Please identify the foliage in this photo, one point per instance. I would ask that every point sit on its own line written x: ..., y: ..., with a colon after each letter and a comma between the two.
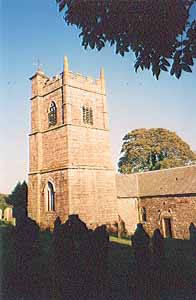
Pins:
x: 3, y: 203
x: 160, y: 33
x: 153, y: 149
x: 18, y: 197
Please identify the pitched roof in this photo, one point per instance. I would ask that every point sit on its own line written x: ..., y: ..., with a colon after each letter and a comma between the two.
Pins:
x: 174, y: 181
x: 168, y: 182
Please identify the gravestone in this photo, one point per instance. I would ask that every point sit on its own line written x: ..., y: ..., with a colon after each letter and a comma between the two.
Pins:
x: 8, y: 214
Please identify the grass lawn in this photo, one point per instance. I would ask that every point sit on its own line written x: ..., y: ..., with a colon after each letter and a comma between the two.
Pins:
x: 120, y: 240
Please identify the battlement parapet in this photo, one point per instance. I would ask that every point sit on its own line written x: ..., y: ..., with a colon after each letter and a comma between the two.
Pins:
x: 52, y: 84
x: 42, y: 84
x: 83, y: 82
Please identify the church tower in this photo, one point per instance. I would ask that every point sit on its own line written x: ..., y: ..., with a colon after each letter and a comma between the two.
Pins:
x: 71, y: 170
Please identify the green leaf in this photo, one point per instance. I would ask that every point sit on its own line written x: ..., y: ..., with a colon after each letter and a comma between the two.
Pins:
x: 158, y: 30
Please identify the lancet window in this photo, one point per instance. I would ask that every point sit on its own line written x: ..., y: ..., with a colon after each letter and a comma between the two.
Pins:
x: 50, y: 197
x: 52, y: 115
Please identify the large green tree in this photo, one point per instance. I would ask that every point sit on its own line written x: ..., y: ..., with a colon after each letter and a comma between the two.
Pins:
x: 18, y: 198
x: 161, y: 33
x: 153, y: 149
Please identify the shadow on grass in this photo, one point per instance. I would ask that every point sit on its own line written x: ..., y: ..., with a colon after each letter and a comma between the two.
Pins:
x: 69, y: 266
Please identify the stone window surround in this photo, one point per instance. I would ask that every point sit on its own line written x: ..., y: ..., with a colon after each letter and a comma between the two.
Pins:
x: 49, y: 197
x: 52, y: 114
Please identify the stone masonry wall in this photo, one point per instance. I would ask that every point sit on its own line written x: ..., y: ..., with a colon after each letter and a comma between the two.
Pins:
x: 180, y: 209
x: 32, y: 196
x: 92, y: 195
x: 59, y: 180
x: 128, y: 211
x: 89, y: 147
x: 54, y: 149
x: 74, y: 156
x: 169, y: 194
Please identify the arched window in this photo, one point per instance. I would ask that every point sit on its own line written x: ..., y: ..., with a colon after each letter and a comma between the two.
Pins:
x: 52, y: 115
x: 50, y: 197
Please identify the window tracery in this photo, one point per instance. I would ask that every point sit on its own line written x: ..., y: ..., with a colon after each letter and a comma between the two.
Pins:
x: 52, y: 115
x: 84, y: 114
x: 87, y: 115
x: 91, y: 116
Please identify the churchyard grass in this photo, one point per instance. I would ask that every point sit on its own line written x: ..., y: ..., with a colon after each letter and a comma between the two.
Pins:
x: 120, y: 267
x: 122, y: 241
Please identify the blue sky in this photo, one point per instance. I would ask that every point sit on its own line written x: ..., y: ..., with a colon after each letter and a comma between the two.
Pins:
x: 34, y: 29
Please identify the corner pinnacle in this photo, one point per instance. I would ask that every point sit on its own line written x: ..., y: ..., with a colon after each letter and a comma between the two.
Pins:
x: 65, y: 64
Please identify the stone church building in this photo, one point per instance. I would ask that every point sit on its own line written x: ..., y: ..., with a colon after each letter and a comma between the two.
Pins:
x: 71, y: 169
x: 164, y: 199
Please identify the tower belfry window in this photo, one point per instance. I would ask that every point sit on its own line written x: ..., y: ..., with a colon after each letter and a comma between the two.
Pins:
x: 91, y: 116
x: 52, y: 115
x: 84, y: 114
x: 87, y: 115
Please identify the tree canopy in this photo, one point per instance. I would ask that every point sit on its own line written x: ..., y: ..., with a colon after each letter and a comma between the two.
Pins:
x: 153, y: 149
x: 161, y: 33
x: 3, y: 203
x: 18, y: 198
